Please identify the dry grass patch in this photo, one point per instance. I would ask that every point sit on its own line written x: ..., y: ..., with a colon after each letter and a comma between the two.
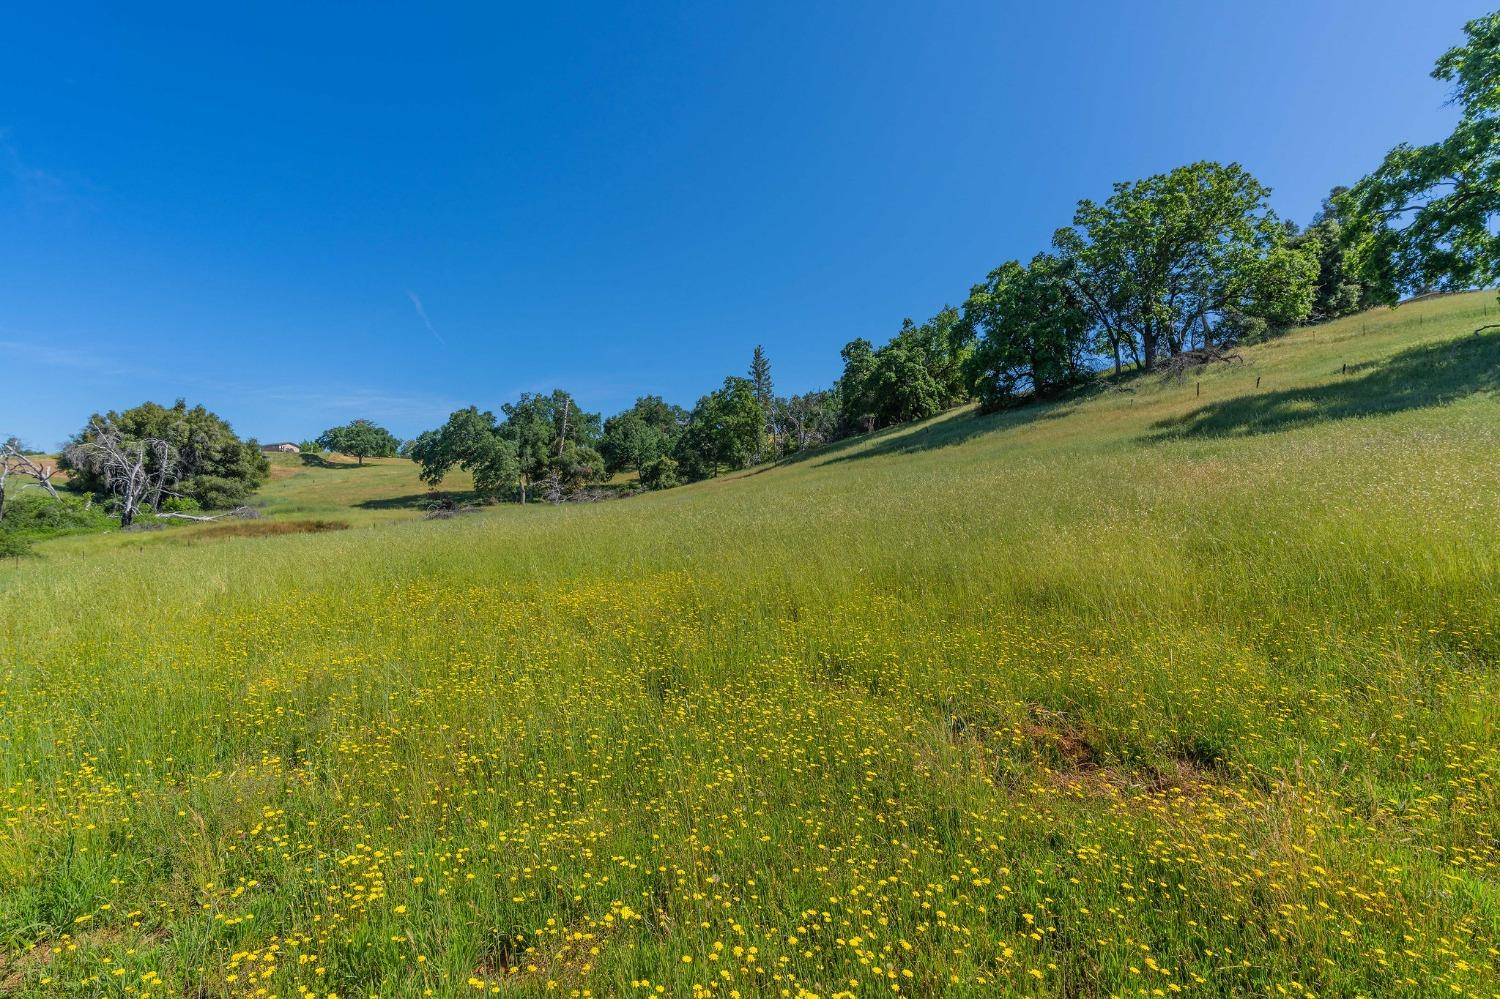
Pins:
x: 268, y: 528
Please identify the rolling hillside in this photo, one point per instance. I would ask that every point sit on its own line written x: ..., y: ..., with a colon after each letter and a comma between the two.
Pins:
x: 1181, y: 687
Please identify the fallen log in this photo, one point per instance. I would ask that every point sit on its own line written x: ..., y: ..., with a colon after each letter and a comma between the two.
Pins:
x: 238, y: 513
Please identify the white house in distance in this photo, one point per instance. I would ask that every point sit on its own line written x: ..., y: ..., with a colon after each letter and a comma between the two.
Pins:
x: 285, y: 447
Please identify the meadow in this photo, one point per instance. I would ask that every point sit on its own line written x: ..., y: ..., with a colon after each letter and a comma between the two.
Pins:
x: 1178, y: 688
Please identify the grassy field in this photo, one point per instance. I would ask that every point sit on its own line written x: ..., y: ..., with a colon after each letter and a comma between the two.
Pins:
x: 325, y: 492
x: 1189, y: 689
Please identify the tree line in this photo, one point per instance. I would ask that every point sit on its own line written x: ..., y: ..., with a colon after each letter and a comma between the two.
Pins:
x: 1167, y: 271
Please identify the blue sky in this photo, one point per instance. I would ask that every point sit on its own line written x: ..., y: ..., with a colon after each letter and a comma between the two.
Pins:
x: 301, y: 213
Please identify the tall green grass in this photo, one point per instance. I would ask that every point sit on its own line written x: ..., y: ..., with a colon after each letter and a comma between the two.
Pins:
x: 1189, y: 688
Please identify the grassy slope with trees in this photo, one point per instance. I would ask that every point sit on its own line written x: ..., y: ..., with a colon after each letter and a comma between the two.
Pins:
x: 1190, y: 687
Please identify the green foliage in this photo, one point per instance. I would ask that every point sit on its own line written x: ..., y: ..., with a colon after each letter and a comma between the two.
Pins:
x: 310, y: 447
x: 944, y: 344
x: 765, y: 398
x: 723, y: 430
x: 554, y: 441
x: 856, y: 400
x: 544, y: 439
x: 919, y: 373
x: 903, y: 386
x: 1071, y: 709
x: 216, y: 468
x: 14, y: 545
x: 573, y: 467
x: 660, y: 473
x: 641, y: 434
x: 180, y: 504
x: 213, y: 492
x: 808, y: 420
x: 359, y: 439
x: 1184, y: 259
x: 1341, y: 289
x: 36, y: 515
x: 470, y: 440
x: 1033, y: 334
x: 1425, y: 219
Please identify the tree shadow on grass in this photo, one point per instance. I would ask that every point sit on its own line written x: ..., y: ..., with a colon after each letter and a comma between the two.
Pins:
x: 417, y: 501
x: 942, y: 431
x: 1417, y: 378
x: 318, y: 461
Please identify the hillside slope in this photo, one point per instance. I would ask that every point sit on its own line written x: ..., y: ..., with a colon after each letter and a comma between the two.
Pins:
x: 1189, y: 687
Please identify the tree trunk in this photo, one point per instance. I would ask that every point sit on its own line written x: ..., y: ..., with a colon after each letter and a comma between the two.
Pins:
x: 360, y: 459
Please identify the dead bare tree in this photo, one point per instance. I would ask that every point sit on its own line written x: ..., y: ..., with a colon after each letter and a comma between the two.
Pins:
x: 138, y: 472
x: 15, y: 461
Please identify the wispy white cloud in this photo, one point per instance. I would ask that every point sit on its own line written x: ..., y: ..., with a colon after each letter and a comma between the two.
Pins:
x: 333, y: 402
x: 422, y: 313
x: 41, y: 355
x: 356, y: 401
x: 35, y: 188
x: 322, y: 398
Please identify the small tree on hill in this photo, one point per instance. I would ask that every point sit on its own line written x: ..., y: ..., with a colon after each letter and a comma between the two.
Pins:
x: 856, y: 400
x: 660, y: 473
x: 920, y: 372
x: 902, y: 386
x: 360, y: 439
x: 544, y: 442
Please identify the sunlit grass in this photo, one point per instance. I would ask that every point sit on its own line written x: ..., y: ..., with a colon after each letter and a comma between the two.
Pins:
x: 1157, y: 692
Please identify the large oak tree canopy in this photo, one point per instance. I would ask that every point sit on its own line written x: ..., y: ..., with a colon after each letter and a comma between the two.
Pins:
x: 1033, y: 333
x: 544, y: 441
x: 212, y: 466
x: 1426, y: 218
x: 1184, y: 258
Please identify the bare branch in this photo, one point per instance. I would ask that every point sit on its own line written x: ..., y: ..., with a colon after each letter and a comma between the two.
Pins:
x: 137, y: 472
x: 14, y: 460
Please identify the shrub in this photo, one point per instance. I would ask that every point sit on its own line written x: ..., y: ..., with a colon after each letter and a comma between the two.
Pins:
x: 180, y: 504
x: 660, y: 473
x: 214, y: 493
x: 14, y: 546
x: 35, y: 515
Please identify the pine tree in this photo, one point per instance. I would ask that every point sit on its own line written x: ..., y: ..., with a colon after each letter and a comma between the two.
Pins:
x: 765, y: 398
